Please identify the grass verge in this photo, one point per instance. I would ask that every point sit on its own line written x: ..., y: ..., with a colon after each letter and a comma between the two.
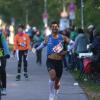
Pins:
x: 91, y: 88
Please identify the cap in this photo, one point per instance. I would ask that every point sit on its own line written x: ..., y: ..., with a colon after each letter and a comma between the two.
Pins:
x: 90, y: 26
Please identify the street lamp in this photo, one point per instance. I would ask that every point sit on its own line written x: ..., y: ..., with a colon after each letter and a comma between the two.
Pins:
x: 45, y: 14
x: 72, y: 8
x: 64, y: 21
x: 45, y: 5
x: 0, y: 21
x: 64, y: 13
x: 82, y: 14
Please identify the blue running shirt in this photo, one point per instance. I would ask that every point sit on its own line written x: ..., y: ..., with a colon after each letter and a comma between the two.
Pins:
x: 52, y: 42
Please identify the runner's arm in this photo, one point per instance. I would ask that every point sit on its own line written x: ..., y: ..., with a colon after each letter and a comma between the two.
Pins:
x: 43, y: 44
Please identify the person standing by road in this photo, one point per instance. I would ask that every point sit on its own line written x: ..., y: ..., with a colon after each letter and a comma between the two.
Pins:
x: 21, y: 45
x: 37, y: 39
x: 55, y: 54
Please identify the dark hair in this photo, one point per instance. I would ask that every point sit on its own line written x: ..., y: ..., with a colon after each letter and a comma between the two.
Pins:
x: 80, y: 30
x: 21, y: 26
x: 97, y: 33
x: 54, y: 22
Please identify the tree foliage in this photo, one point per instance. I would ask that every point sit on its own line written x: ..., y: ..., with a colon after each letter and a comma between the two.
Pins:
x: 35, y: 8
x: 91, y: 13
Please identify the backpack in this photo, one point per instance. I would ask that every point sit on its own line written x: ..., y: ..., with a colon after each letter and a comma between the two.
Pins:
x: 87, y: 65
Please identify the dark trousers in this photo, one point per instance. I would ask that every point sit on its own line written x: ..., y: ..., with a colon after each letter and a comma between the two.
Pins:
x: 22, y: 57
x: 39, y: 56
x: 71, y: 61
x: 65, y: 62
x: 3, y: 72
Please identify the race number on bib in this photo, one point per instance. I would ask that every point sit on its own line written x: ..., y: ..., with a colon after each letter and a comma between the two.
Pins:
x: 58, y: 48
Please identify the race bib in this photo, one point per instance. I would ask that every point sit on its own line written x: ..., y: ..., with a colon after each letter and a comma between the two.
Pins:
x: 23, y: 44
x: 58, y: 48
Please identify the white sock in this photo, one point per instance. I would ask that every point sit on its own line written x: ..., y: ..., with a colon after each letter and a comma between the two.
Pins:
x: 51, y: 90
x: 51, y: 86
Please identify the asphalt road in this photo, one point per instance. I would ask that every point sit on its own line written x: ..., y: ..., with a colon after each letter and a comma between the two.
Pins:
x: 36, y: 88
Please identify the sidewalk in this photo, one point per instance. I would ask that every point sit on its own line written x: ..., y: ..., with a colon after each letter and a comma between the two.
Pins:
x: 36, y: 88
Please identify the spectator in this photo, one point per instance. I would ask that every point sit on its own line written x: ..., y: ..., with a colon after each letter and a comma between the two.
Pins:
x: 91, y: 31
x: 81, y: 41
x: 28, y: 30
x: 80, y: 46
x: 95, y: 46
x: 37, y: 39
x: 73, y: 34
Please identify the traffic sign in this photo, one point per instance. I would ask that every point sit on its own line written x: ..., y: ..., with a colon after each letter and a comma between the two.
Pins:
x: 45, y: 15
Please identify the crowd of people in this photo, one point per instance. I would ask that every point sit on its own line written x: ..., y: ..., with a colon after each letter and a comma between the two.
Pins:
x: 63, y: 48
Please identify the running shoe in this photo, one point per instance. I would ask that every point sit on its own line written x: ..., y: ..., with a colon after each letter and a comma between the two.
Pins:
x: 18, y: 78
x: 3, y: 91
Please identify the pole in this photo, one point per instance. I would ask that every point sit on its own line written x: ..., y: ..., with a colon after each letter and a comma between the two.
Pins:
x: 45, y: 17
x: 82, y: 14
x: 45, y: 5
x: 26, y: 17
x: 0, y: 87
x: 63, y: 5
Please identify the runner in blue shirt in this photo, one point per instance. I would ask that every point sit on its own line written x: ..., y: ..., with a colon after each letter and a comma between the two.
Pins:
x: 55, y: 54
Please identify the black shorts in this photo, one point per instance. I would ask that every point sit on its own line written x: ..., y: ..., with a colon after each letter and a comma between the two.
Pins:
x: 57, y: 65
